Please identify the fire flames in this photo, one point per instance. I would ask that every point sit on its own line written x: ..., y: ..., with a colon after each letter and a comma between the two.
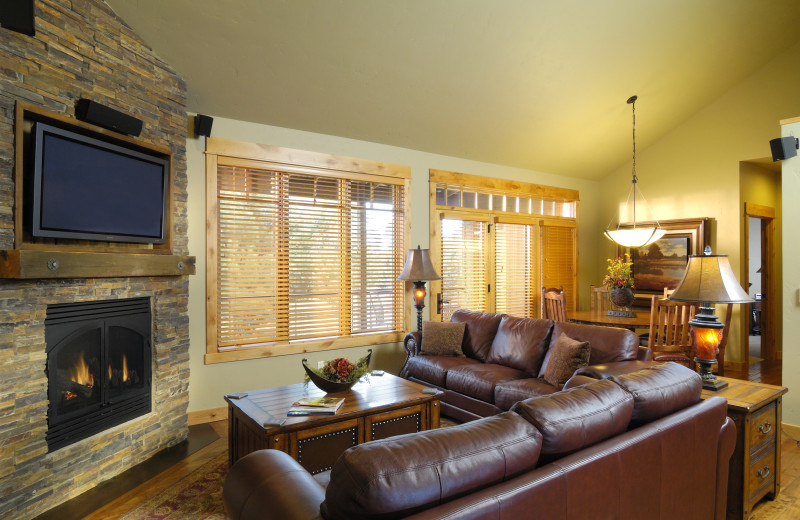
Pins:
x: 124, y: 369
x: 80, y: 375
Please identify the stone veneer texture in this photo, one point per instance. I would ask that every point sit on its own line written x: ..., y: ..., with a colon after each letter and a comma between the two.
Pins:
x: 82, y: 49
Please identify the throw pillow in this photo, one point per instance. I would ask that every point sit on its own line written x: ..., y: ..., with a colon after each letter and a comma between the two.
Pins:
x: 442, y: 338
x: 568, y: 356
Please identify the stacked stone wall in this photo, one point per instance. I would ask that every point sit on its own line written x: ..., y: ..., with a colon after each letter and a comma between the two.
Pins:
x: 83, y: 50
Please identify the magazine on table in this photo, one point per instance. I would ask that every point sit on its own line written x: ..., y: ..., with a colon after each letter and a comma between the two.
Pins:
x: 316, y: 406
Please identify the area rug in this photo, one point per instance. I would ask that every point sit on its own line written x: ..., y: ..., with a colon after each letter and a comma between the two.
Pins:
x: 197, y: 496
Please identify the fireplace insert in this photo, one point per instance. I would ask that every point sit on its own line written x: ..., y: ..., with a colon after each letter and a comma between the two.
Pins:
x: 98, y: 366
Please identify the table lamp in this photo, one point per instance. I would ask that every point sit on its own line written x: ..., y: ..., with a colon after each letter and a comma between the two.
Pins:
x: 418, y: 269
x: 708, y: 279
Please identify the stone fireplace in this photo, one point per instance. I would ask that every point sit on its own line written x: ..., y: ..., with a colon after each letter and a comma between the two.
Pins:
x: 83, y: 50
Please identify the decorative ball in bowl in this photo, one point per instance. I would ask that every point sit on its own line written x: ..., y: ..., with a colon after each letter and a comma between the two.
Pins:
x: 337, y: 375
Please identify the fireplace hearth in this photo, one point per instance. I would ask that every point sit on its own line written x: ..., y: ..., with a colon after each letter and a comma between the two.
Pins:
x: 98, y: 366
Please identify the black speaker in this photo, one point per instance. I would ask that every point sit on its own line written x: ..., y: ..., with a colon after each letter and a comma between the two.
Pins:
x: 101, y: 115
x: 17, y: 15
x: 783, y: 148
x: 202, y: 125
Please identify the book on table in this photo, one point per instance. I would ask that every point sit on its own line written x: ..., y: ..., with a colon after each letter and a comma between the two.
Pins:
x: 316, y: 406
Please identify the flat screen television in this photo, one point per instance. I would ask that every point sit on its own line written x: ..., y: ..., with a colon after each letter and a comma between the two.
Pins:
x: 89, y: 189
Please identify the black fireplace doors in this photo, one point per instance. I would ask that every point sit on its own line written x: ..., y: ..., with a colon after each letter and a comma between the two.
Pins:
x: 98, y: 366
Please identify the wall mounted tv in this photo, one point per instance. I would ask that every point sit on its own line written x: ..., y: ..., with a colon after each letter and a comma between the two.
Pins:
x: 89, y: 189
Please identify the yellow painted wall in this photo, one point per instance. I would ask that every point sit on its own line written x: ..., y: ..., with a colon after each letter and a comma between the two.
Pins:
x: 693, y: 171
x: 759, y: 185
x: 790, y: 193
x: 208, y: 383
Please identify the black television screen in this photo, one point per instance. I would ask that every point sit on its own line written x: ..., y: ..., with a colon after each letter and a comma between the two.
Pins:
x: 89, y: 189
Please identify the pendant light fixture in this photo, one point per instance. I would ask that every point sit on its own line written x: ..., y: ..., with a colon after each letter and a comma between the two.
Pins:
x: 635, y: 236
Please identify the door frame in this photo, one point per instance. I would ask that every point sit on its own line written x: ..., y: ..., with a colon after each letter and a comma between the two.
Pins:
x: 766, y: 215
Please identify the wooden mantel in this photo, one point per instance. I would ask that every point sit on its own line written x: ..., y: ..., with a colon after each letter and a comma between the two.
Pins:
x: 35, y: 264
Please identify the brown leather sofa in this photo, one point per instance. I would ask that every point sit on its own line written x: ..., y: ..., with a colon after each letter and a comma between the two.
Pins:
x: 640, y: 445
x: 505, y: 359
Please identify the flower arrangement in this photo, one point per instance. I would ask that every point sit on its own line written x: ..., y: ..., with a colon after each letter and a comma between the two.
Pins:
x: 619, y: 273
x: 340, y: 370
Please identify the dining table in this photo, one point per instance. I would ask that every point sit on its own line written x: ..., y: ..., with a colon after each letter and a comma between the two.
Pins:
x: 601, y: 318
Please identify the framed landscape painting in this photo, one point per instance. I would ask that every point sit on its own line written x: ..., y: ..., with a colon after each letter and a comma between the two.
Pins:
x: 662, y: 263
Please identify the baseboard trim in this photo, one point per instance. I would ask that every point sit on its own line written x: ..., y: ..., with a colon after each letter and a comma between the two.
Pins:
x: 207, y: 416
x: 792, y: 430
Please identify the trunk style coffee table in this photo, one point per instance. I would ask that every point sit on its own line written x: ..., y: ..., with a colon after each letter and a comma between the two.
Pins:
x: 385, y: 406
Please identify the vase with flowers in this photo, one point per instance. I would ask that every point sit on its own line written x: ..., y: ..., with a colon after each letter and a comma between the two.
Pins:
x: 619, y: 281
x: 337, y: 375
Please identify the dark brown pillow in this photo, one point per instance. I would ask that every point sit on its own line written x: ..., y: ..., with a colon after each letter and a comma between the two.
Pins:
x: 568, y: 356
x: 442, y: 338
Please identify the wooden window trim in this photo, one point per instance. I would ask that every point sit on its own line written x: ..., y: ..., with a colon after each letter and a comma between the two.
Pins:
x: 229, y: 152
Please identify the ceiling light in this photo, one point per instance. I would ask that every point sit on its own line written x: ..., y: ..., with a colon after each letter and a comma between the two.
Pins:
x: 636, y: 235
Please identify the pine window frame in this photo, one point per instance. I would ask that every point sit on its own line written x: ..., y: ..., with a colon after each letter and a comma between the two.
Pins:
x: 227, y: 152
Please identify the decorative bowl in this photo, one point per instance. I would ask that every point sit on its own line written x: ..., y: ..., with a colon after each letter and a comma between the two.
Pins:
x: 326, y: 385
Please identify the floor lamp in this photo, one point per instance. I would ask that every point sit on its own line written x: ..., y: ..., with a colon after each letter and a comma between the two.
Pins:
x: 419, y: 269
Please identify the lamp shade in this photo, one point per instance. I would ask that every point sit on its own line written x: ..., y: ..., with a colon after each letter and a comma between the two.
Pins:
x: 418, y: 266
x: 709, y: 278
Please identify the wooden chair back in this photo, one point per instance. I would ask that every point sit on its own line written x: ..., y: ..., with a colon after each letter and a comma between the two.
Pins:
x: 722, y: 344
x: 669, y: 335
x: 598, y: 298
x: 555, y: 304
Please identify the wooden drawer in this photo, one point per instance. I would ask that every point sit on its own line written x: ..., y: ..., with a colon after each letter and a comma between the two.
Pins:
x: 316, y: 449
x: 763, y: 425
x: 761, y: 474
x: 396, y: 422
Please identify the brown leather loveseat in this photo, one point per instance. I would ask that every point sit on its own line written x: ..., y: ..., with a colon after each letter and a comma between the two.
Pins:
x: 506, y: 359
x: 640, y: 445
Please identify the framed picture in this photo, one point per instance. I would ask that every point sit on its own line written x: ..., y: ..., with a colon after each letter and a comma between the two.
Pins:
x: 662, y: 263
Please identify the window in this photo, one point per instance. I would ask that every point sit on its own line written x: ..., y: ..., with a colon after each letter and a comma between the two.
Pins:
x: 497, y: 243
x: 301, y: 257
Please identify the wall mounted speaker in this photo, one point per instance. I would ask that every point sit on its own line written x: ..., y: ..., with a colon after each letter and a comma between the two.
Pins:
x: 17, y: 15
x: 202, y: 125
x: 101, y: 115
x: 783, y: 148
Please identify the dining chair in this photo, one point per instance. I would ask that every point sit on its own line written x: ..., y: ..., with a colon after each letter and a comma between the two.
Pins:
x: 669, y: 335
x: 555, y: 304
x: 598, y: 298
x: 724, y: 342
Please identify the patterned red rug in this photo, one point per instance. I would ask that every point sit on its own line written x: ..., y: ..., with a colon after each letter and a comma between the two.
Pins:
x: 198, y: 496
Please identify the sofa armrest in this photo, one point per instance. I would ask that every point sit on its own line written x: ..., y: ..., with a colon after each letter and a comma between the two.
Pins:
x: 411, y: 343
x: 269, y: 484
x: 617, y: 368
x: 644, y: 354
x: 727, y: 443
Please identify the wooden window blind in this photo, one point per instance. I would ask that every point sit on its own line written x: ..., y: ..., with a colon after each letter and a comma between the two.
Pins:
x: 515, y: 286
x: 558, y: 260
x: 303, y: 258
x: 464, y: 264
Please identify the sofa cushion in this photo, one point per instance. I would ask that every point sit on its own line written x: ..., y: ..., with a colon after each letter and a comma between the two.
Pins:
x: 433, y: 369
x: 506, y: 393
x: 521, y: 343
x: 442, y: 338
x: 480, y: 331
x: 660, y: 390
x: 608, y: 343
x: 478, y: 380
x: 375, y: 479
x: 579, y: 417
x: 568, y: 355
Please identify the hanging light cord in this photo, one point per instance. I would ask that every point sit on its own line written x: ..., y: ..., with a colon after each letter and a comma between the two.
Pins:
x: 632, y: 101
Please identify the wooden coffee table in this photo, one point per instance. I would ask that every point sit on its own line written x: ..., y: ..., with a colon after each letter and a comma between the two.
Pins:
x: 385, y: 406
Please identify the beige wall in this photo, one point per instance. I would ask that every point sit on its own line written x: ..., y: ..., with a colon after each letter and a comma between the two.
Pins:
x: 693, y: 171
x: 759, y: 185
x: 208, y: 383
x: 791, y: 277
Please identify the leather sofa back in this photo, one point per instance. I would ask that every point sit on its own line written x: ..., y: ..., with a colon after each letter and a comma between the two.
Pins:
x: 401, y: 475
x: 521, y: 343
x: 609, y: 344
x: 479, y: 333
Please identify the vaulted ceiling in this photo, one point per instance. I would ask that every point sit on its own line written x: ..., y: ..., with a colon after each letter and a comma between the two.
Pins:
x: 538, y: 84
